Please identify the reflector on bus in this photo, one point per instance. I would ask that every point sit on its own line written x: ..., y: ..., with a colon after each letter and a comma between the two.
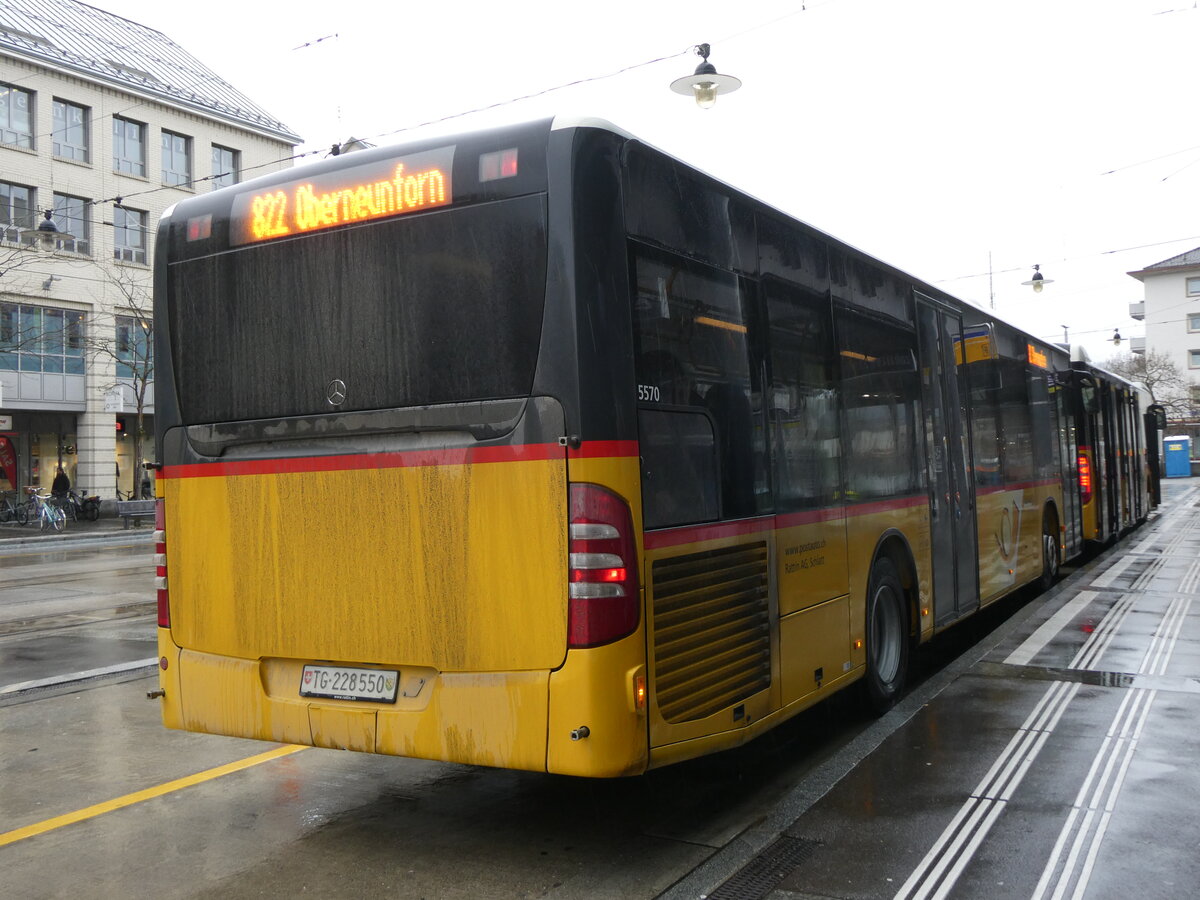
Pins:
x: 501, y: 164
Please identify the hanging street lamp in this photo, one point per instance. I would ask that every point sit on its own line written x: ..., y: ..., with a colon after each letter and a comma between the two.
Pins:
x: 705, y: 83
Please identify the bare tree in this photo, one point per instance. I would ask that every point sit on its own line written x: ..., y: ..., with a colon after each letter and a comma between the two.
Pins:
x: 127, y: 340
x: 1160, y: 375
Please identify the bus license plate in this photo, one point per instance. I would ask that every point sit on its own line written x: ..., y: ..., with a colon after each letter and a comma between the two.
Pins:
x: 344, y: 683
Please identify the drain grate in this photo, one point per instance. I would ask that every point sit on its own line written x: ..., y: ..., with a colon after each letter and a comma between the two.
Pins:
x: 758, y: 878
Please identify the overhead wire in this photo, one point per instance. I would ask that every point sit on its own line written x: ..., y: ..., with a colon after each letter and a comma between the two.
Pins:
x: 1065, y: 259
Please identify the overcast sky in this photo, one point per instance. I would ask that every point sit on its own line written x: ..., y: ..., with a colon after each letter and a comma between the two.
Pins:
x: 950, y: 138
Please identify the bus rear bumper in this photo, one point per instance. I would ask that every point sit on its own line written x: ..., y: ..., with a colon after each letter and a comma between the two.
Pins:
x: 489, y: 719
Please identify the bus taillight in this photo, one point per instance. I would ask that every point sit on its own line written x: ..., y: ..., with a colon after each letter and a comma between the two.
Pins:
x: 603, y: 590
x: 160, y: 565
x: 1085, y: 475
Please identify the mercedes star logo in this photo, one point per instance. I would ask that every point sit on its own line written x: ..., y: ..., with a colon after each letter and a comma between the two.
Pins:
x: 335, y: 392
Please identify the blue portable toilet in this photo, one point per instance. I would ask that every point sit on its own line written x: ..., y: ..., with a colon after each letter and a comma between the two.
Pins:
x: 1177, y: 456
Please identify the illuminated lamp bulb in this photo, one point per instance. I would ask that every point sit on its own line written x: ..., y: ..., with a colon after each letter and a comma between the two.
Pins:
x: 706, y: 94
x: 705, y: 83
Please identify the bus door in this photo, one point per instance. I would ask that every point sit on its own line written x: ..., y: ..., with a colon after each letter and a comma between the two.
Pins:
x: 1069, y: 453
x: 953, y: 553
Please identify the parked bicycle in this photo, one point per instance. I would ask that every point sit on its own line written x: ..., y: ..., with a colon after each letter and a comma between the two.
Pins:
x: 75, y: 506
x: 147, y: 493
x: 50, y: 515
x: 89, y: 506
x: 10, y: 511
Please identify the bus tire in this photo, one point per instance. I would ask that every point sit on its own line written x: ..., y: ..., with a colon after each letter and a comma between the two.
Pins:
x: 887, y: 637
x: 1050, y: 555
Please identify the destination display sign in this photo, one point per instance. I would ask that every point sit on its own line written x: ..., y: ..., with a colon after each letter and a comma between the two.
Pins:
x: 376, y: 190
x: 1037, y: 357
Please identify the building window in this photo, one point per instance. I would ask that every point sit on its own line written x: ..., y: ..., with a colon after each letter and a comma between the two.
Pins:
x: 41, y: 339
x: 17, y: 212
x: 16, y: 116
x: 176, y: 158
x: 70, y: 215
x: 1193, y: 287
x: 129, y: 235
x: 129, y: 146
x: 71, y: 131
x: 1194, y: 359
x: 225, y: 165
x: 134, y: 339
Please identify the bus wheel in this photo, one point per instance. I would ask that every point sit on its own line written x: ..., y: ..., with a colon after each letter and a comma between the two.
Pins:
x: 887, y: 637
x: 1049, y: 552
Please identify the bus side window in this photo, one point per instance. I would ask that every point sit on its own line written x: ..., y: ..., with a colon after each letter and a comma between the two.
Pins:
x: 805, y: 432
x: 1090, y: 403
x: 679, y: 467
x: 881, y: 395
x: 692, y: 345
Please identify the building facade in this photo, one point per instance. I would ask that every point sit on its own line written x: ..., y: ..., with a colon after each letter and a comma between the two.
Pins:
x: 1171, y: 312
x: 104, y: 124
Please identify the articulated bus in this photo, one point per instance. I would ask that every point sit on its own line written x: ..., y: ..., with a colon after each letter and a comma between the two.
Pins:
x: 1114, y: 483
x: 538, y: 448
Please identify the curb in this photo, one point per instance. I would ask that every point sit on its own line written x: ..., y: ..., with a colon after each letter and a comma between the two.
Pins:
x: 33, y: 538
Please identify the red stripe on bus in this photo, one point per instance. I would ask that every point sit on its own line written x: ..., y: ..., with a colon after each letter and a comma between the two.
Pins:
x: 692, y: 534
x: 454, y: 456
x: 599, y: 449
x: 1016, y: 486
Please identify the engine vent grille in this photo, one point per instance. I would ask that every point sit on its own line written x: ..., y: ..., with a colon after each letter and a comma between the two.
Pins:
x: 712, y: 635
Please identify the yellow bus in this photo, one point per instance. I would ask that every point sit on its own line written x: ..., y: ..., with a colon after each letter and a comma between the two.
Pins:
x: 538, y: 448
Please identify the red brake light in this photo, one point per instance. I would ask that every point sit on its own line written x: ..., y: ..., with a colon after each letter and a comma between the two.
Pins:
x: 1085, y: 475
x: 604, y: 603
x: 160, y: 565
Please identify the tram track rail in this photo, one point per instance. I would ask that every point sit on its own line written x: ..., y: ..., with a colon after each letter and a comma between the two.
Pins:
x: 54, y: 623
x: 10, y: 583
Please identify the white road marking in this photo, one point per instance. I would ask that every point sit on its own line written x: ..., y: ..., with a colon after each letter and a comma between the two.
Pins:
x: 78, y: 676
x: 1113, y: 572
x: 944, y: 863
x: 1045, y: 633
x: 1087, y: 823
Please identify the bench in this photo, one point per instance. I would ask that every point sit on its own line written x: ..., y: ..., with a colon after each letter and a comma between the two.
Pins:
x: 135, y: 510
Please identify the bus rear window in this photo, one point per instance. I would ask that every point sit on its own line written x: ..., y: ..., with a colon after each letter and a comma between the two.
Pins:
x: 442, y: 307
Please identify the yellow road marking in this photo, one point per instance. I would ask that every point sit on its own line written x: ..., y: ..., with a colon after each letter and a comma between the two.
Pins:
x: 98, y: 809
